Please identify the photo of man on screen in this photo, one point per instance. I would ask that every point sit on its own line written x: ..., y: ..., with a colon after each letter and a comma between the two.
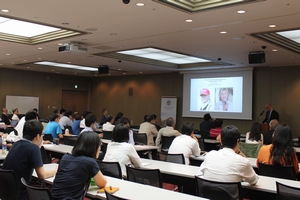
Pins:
x: 205, y: 99
x: 223, y: 104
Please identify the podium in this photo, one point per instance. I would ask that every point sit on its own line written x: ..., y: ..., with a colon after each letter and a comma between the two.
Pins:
x: 264, y: 127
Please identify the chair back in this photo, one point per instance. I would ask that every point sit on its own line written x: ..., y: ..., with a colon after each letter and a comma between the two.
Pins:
x: 141, y: 138
x: 48, y: 137
x: 112, y: 169
x: 219, y: 190
x: 37, y: 193
x: 250, y: 150
x: 144, y: 176
x: 70, y: 140
x: 107, y: 135
x: 286, y: 172
x: 166, y: 142
x: 173, y: 158
x: 286, y: 192
x: 46, y: 158
x: 110, y: 196
x: 9, y: 185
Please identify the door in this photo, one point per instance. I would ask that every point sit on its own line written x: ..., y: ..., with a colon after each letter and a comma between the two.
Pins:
x: 75, y: 100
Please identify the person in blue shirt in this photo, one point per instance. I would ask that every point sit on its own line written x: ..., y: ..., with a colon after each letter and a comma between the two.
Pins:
x: 76, y: 123
x: 53, y: 127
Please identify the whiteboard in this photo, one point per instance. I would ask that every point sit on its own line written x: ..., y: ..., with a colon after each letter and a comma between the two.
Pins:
x: 23, y: 103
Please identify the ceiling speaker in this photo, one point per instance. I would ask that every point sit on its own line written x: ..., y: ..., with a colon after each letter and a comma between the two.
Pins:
x: 256, y: 57
x: 103, y: 69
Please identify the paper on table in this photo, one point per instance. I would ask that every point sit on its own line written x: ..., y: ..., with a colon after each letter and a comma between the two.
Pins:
x: 145, y: 164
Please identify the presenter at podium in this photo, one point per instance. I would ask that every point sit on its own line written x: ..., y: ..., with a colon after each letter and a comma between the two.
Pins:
x: 271, y: 114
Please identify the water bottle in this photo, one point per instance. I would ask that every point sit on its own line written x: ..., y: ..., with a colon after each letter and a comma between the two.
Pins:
x: 67, y: 131
x: 4, y: 147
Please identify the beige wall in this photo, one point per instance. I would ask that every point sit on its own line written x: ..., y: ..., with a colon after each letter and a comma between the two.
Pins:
x: 281, y: 86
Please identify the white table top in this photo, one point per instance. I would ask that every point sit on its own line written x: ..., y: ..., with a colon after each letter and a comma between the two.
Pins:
x: 137, y: 147
x: 130, y: 190
x: 61, y: 148
x: 3, y: 156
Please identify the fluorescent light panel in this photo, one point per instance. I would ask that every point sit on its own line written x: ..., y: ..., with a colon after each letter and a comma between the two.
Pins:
x: 69, y: 66
x: 22, y: 28
x: 161, y: 55
x: 292, y: 35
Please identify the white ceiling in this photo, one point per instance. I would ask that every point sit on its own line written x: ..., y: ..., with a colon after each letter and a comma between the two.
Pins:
x: 152, y: 25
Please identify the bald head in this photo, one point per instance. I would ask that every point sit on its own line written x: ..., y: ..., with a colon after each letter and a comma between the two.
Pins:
x: 273, y: 124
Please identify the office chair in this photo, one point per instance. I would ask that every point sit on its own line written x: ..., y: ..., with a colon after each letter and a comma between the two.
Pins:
x: 286, y: 192
x: 112, y: 169
x: 145, y: 176
x: 285, y: 172
x: 9, y: 185
x: 166, y: 142
x: 173, y: 158
x: 70, y: 140
x: 219, y: 190
x: 48, y: 137
x: 37, y: 193
x: 110, y: 196
x: 107, y: 135
x: 141, y: 138
x: 250, y: 150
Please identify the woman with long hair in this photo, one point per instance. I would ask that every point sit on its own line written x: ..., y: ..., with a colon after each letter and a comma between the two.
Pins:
x: 281, y: 151
x: 255, y: 136
x: 76, y: 170
x: 223, y: 104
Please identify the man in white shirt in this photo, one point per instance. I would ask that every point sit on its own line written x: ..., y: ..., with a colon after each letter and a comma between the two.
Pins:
x: 90, y: 121
x: 187, y: 143
x: 108, y: 126
x: 66, y: 120
x: 228, y: 164
x: 150, y: 129
x: 167, y: 131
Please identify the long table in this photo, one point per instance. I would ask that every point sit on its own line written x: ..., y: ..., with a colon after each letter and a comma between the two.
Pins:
x: 185, y: 174
x: 130, y: 190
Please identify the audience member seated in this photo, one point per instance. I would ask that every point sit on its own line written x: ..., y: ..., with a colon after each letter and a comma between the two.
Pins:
x: 268, y: 136
x: 150, y: 129
x: 120, y: 151
x: 108, y: 126
x: 31, y: 114
x: 90, y: 121
x: 82, y: 122
x: 206, y: 125
x: 66, y: 120
x: 187, y: 143
x: 76, y: 124
x: 62, y: 113
x: 53, y: 127
x: 15, y: 116
x: 166, y: 131
x: 126, y: 121
x: 76, y: 170
x: 228, y: 164
x: 4, y: 116
x: 154, y: 122
x: 215, y: 132
x: 25, y: 156
x: 104, y: 115
x: 281, y: 151
x: 119, y: 116
x: 255, y: 136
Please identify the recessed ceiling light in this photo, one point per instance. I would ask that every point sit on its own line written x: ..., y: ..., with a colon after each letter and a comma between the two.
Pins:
x: 28, y: 67
x: 69, y: 62
x: 8, y: 54
x: 272, y: 25
x: 70, y: 66
x: 96, y: 75
x: 223, y: 32
x: 140, y: 72
x: 241, y: 11
x: 24, y: 60
x: 5, y: 10
x: 124, y: 73
x: 189, y: 20
x: 59, y: 44
x: 274, y: 50
x: 119, y: 69
x: 140, y: 4
x: 40, y: 58
x: 40, y: 48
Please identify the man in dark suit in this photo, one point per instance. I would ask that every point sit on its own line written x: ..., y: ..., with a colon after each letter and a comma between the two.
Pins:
x: 271, y: 114
x: 268, y: 136
x: 4, y: 116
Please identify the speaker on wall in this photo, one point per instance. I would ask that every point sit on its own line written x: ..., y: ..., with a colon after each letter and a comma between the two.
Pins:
x: 256, y: 57
x: 103, y: 69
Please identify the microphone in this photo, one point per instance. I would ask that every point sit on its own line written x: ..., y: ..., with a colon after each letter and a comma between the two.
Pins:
x: 260, y: 115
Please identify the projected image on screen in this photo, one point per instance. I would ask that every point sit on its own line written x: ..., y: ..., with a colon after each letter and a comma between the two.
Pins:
x: 216, y: 94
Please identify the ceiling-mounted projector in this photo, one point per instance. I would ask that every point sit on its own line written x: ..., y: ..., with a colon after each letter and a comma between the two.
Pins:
x: 73, y: 48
